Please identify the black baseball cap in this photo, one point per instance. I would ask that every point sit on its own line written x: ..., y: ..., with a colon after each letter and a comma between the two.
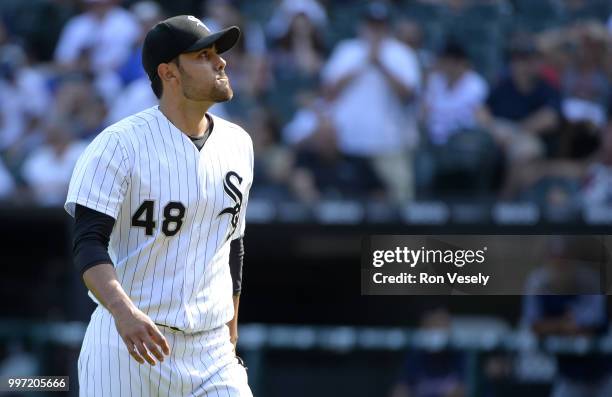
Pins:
x: 182, y: 33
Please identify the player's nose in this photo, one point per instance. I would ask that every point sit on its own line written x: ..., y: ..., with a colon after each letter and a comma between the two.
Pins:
x: 220, y: 65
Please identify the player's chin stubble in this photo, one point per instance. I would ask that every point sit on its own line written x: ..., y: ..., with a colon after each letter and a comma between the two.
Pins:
x: 221, y: 91
x: 218, y: 91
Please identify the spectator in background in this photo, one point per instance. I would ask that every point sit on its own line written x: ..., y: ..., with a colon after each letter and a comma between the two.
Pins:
x: 562, y: 300
x: 91, y: 118
x: 78, y: 100
x: 14, y: 114
x: 522, y: 107
x: 553, y: 46
x: 95, y: 44
x: 437, y: 373
x: 147, y: 13
x: 410, y: 33
x: 591, y: 176
x: 586, y: 89
x: 104, y: 30
x: 296, y: 31
x: 300, y: 51
x: 584, y: 83
x: 370, y: 79
x: 597, y: 189
x: 274, y: 167
x: 280, y: 22
x: 47, y: 170
x: 134, y: 98
x: 137, y: 94
x: 221, y: 13
x: 24, y: 99
x: 321, y: 171
x: 296, y: 56
x: 453, y: 95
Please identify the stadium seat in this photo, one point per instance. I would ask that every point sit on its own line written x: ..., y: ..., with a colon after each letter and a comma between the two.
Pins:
x: 466, y: 163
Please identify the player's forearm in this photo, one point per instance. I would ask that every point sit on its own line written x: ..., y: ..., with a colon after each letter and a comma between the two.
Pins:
x: 236, y: 299
x: 102, y: 281
x: 233, y: 323
x: 236, y: 258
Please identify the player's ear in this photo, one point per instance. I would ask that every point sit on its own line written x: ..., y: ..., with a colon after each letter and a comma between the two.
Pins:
x: 166, y: 71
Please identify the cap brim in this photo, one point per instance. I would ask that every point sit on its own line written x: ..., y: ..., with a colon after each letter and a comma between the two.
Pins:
x: 223, y: 40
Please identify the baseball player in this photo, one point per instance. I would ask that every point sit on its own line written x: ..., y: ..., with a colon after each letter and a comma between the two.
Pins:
x: 159, y: 200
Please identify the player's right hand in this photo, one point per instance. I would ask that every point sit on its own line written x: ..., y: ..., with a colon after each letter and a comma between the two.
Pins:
x: 141, y: 336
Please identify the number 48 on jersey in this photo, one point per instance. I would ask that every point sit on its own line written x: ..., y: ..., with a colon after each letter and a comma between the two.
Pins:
x: 174, y: 212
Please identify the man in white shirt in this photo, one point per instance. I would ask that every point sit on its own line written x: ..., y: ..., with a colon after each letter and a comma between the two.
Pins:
x: 453, y: 95
x: 370, y: 79
x: 104, y: 29
x: 24, y: 99
x: 48, y: 168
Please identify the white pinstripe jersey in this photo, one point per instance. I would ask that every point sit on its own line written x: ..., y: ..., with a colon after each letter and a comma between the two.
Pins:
x: 176, y: 211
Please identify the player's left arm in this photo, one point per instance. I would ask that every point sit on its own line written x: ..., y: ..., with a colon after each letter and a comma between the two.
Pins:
x: 235, y: 262
x: 233, y: 324
x: 236, y: 256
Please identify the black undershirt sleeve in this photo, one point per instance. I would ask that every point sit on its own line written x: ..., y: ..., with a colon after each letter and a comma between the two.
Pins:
x: 235, y: 262
x: 92, y: 230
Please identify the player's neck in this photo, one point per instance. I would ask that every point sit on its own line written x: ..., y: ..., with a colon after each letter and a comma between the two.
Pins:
x: 188, y: 117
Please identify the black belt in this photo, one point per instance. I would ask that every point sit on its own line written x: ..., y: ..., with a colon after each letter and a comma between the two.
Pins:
x: 241, y: 362
x: 167, y: 326
x: 238, y: 358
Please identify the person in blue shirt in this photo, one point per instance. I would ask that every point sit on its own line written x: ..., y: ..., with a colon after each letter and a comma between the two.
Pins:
x: 562, y: 299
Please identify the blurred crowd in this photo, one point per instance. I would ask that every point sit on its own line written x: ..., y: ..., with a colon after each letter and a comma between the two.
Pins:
x: 561, y: 300
x: 387, y: 101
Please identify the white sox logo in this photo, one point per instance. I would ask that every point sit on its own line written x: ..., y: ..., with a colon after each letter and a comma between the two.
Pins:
x: 197, y: 21
x: 236, y: 195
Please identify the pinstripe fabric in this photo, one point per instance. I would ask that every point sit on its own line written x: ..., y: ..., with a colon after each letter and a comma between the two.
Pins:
x: 181, y: 280
x: 200, y: 364
x: 176, y: 274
